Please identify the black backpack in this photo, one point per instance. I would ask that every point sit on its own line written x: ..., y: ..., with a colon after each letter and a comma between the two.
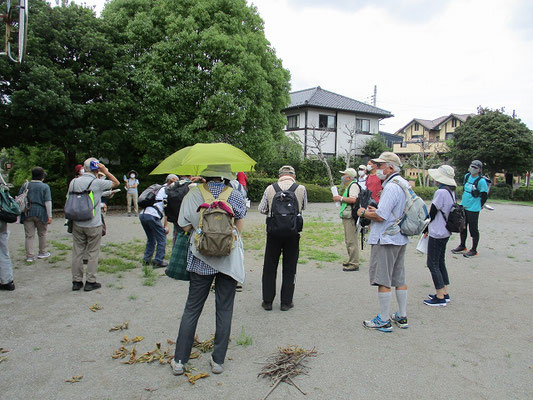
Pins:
x: 284, y: 218
x: 147, y: 197
x: 456, y: 221
x: 175, y: 194
x: 363, y: 200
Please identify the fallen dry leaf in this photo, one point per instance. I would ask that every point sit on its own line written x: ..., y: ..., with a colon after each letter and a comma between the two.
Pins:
x: 137, y: 339
x: 4, y: 358
x: 2, y: 350
x: 125, y: 339
x: 75, y: 379
x: 95, y: 307
x: 193, y: 378
x: 122, y: 327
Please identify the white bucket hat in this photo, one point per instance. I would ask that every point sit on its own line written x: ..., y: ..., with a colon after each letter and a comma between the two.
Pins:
x: 444, y: 174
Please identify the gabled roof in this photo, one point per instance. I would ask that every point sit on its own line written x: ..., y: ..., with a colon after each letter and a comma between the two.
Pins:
x: 434, y: 124
x: 320, y: 98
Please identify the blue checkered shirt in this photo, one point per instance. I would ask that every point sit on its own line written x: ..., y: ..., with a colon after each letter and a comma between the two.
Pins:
x: 238, y: 204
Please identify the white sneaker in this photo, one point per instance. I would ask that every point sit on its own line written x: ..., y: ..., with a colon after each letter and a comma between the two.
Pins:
x: 215, y: 368
x: 30, y: 259
x: 177, y: 367
x: 44, y: 255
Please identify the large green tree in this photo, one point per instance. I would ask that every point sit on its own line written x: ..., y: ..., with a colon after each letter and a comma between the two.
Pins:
x: 502, y: 143
x: 200, y: 71
x: 375, y: 146
x: 69, y: 92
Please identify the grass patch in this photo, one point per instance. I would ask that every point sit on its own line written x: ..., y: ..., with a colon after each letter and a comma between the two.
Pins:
x: 254, y: 239
x: 113, y: 265
x: 320, y: 255
x: 244, y: 340
x: 132, y: 297
x: 319, y: 265
x: 60, y: 246
x: 510, y: 256
x: 149, y: 276
x: 302, y: 261
x: 55, y: 259
x: 132, y: 250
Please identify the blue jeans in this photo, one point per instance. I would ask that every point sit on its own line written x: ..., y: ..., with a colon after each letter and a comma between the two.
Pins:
x: 155, y: 234
x: 6, y: 267
x: 436, y: 262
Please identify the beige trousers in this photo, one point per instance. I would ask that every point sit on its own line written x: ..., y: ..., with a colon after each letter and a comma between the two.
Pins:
x: 132, y: 197
x: 350, y: 238
x: 30, y: 224
x: 86, y: 243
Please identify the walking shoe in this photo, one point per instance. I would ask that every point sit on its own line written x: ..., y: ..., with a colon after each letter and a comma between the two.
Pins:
x: 91, y: 286
x: 238, y: 288
x: 446, y: 297
x: 215, y: 368
x: 77, y: 285
x: 345, y: 264
x: 177, y: 367
x: 267, y: 306
x: 377, y: 323
x: 470, y: 253
x: 162, y: 264
x: 459, y: 249
x: 436, y: 302
x: 7, y: 286
x: 44, y: 255
x: 30, y: 259
x: 400, y: 321
x: 129, y: 215
x: 286, y: 307
x: 351, y: 267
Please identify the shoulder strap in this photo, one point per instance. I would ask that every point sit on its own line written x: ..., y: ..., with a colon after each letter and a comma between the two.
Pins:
x: 477, y: 180
x: 467, y: 176
x: 293, y: 187
x: 206, y: 193
x: 276, y: 187
x: 224, y: 195
x: 453, y: 200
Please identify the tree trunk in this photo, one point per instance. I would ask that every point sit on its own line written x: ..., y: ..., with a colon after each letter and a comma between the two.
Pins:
x: 70, y: 162
x: 509, y: 179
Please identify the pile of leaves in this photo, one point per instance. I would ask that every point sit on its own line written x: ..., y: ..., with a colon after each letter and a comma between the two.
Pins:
x: 286, y: 364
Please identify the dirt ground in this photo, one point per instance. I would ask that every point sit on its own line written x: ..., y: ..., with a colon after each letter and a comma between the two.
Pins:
x: 479, y: 347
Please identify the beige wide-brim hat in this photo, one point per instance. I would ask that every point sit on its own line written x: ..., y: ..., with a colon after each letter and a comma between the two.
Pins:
x: 218, y: 171
x: 349, y: 171
x: 444, y: 174
x: 388, y: 157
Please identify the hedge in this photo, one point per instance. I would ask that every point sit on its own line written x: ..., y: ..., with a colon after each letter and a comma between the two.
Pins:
x: 315, y: 193
x: 523, y: 194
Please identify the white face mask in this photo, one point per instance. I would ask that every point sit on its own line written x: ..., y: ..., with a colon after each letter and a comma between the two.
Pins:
x: 132, y: 176
x: 361, y: 173
x: 473, y: 171
x: 381, y: 175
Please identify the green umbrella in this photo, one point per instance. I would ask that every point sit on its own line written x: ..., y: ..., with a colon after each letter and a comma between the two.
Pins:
x: 194, y: 159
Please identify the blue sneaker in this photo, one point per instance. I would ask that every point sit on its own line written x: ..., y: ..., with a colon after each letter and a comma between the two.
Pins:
x: 400, y: 321
x: 436, y: 302
x: 377, y: 323
x: 446, y: 297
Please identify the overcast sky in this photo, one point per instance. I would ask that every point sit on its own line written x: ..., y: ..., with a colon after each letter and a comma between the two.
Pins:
x: 428, y: 58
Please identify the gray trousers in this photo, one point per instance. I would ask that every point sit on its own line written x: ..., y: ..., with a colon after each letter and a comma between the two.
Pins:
x: 6, y: 267
x: 224, y: 297
x: 30, y: 224
x: 86, y: 243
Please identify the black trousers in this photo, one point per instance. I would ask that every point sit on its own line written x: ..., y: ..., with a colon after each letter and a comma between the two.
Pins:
x: 472, y: 218
x: 436, y: 261
x: 224, y: 298
x: 275, y: 245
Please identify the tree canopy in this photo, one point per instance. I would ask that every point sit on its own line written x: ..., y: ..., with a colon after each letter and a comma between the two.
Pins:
x: 375, y: 146
x: 201, y: 71
x: 502, y: 143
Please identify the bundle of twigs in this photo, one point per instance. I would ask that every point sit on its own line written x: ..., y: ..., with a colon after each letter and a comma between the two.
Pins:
x: 285, y: 364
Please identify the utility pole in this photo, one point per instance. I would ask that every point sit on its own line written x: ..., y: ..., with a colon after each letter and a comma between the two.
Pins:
x: 375, y: 95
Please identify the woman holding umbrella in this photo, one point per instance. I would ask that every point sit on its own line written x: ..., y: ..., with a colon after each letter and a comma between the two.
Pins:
x: 225, y: 270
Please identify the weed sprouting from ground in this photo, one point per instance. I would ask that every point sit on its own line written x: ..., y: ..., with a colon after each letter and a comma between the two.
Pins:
x: 113, y: 265
x: 149, y: 276
x: 59, y: 245
x: 244, y: 340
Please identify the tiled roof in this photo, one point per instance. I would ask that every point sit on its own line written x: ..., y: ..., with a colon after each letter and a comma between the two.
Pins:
x: 431, y: 124
x: 320, y: 98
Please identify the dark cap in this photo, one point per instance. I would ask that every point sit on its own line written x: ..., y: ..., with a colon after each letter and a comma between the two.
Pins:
x: 478, y: 164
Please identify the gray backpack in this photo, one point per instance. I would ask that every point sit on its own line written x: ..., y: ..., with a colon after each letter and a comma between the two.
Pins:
x: 80, y: 205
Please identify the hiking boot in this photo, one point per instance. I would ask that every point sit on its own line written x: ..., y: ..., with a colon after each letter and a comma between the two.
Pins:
x: 44, y: 255
x: 351, y: 267
x: 266, y: 305
x: 162, y: 264
x: 7, y: 286
x: 76, y: 285
x: 436, y: 302
x: 91, y: 286
x: 459, y: 249
x: 377, y: 323
x: 400, y: 321
x: 286, y: 307
x: 177, y: 367
x: 470, y: 253
x: 446, y: 297
x: 216, y: 368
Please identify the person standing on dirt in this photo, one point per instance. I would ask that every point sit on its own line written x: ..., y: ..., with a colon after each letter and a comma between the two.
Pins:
x: 6, y: 266
x: 39, y: 216
x: 132, y: 193
x: 373, y: 183
x: 224, y: 270
x: 87, y: 235
x: 388, y: 245
x: 280, y: 242
x: 442, y: 202
x: 348, y: 200
x: 475, y: 193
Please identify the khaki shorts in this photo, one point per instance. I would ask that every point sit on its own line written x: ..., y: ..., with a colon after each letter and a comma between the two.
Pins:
x: 387, y: 265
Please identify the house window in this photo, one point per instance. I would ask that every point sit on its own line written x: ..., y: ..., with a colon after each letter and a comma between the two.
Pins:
x: 362, y: 125
x: 449, y: 136
x: 327, y: 121
x: 454, y: 123
x: 293, y: 121
x: 417, y: 127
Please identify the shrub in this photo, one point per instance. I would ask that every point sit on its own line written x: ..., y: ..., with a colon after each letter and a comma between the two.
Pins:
x: 523, y: 194
x: 426, y: 193
x: 315, y: 193
x: 500, y: 191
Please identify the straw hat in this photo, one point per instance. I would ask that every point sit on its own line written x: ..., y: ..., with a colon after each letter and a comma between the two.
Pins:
x: 444, y: 174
